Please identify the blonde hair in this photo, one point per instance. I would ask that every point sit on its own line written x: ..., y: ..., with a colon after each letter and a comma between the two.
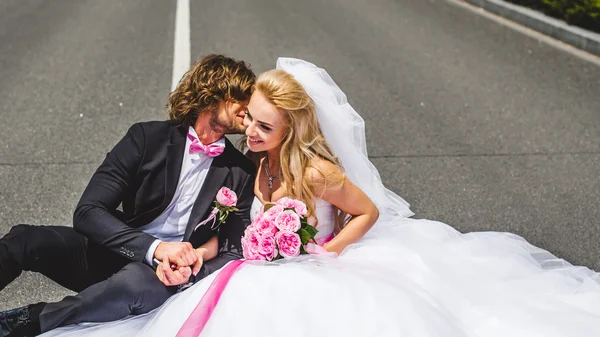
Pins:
x: 211, y: 80
x: 303, y: 142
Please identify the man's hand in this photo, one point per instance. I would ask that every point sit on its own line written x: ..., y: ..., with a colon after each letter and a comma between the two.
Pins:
x: 180, y: 253
x: 170, y: 277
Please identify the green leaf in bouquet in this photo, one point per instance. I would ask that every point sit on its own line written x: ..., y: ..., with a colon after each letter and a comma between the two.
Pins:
x: 268, y: 207
x: 304, y: 236
x: 311, y: 231
x: 302, y: 250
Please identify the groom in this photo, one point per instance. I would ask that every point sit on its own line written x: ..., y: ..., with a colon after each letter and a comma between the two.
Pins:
x: 166, y: 176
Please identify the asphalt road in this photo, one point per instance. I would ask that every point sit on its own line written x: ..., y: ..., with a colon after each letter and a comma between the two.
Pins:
x: 476, y: 125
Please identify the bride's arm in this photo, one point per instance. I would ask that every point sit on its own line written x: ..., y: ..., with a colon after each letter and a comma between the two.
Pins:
x: 209, y: 250
x: 349, y: 198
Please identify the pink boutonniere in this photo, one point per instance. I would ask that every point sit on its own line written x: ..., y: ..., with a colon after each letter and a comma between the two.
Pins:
x: 225, y: 203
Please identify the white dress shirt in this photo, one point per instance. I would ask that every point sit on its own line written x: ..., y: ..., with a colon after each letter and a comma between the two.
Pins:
x: 170, y: 225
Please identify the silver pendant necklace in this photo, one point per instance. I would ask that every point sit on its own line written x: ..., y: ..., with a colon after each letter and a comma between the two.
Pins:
x: 271, y: 177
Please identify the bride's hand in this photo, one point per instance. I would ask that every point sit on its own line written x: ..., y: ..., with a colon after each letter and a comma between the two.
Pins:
x: 201, y: 253
x: 348, y: 198
x: 332, y: 250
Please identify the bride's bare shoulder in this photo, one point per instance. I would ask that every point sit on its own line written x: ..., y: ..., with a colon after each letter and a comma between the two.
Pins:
x: 321, y: 172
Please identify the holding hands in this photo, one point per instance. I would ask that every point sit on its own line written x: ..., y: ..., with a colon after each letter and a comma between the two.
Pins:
x: 179, y: 260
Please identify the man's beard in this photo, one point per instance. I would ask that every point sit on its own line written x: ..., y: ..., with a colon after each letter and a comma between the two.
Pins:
x: 220, y: 126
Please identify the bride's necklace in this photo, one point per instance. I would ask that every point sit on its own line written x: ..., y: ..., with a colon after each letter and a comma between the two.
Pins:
x: 271, y: 177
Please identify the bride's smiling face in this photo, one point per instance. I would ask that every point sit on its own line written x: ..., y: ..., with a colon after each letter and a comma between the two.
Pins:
x: 265, y: 125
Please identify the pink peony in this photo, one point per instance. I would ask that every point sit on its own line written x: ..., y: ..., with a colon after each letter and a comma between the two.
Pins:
x: 267, y: 247
x: 266, y: 227
x: 272, y: 212
x: 297, y: 205
x: 249, y: 230
x: 289, y: 244
x: 226, y: 197
x: 288, y: 221
x: 250, y: 245
x: 246, y: 251
x: 248, y: 255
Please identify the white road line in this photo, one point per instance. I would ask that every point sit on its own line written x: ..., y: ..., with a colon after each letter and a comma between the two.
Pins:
x: 181, y: 51
x: 529, y: 32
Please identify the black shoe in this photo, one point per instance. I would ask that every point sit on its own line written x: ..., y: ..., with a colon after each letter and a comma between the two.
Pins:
x: 21, y: 322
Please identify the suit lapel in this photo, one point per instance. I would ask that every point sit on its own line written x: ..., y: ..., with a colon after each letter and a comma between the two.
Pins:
x: 214, y: 180
x: 175, y: 152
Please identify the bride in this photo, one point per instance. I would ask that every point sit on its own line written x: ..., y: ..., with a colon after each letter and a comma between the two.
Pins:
x: 394, y: 276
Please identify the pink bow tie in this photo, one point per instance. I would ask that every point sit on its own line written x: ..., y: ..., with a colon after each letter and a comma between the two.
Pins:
x: 211, y: 150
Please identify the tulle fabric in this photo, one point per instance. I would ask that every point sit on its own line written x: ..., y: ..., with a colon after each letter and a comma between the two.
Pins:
x: 413, y: 278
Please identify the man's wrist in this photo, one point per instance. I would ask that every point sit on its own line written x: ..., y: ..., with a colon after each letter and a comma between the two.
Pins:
x: 151, y: 251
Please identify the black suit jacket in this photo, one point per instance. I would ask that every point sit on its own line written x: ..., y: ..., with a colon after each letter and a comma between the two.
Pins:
x: 141, y: 173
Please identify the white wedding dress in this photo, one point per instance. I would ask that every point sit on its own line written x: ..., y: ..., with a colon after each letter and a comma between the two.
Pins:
x: 415, y: 278
x: 405, y: 278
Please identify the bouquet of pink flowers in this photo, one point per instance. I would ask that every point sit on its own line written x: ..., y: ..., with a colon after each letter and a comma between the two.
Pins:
x: 279, y: 230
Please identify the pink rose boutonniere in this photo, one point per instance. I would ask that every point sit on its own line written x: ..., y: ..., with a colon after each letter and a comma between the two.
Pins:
x: 225, y: 203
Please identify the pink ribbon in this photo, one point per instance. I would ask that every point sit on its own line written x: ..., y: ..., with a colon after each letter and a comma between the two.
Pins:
x: 212, y: 216
x: 324, y: 240
x: 211, y: 150
x: 197, y: 320
x: 317, y: 249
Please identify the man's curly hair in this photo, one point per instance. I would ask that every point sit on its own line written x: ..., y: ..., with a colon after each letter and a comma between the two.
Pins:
x: 211, y: 80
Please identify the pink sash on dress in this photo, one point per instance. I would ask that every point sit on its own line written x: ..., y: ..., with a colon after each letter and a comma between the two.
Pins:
x: 197, y: 320
x: 194, y: 324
